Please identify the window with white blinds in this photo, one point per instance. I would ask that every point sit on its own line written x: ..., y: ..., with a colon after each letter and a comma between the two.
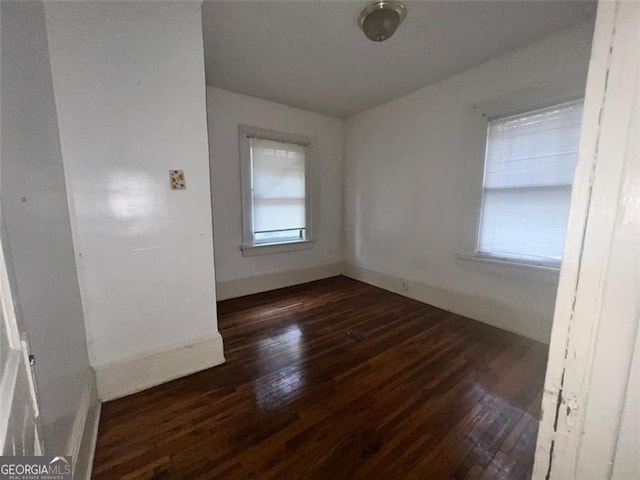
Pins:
x: 278, y: 191
x: 529, y: 165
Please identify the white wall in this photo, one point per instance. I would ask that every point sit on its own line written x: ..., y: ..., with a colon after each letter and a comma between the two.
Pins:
x: 34, y: 203
x: 227, y: 110
x: 408, y: 167
x: 130, y: 90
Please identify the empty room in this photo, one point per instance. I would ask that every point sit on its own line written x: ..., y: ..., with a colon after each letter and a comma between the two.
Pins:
x: 320, y: 240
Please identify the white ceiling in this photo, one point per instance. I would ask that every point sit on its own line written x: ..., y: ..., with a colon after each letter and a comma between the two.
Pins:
x: 311, y: 54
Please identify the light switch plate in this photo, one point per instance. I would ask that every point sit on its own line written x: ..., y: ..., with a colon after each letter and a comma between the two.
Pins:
x: 177, y: 180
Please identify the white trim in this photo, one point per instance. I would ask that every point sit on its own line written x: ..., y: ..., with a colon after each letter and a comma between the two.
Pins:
x: 82, y: 471
x: 79, y: 423
x: 37, y: 447
x: 573, y: 105
x: 626, y: 463
x: 513, y: 103
x: 529, y: 99
x: 596, y: 311
x: 271, y: 281
x: 244, y: 133
x: 154, y: 367
x: 505, y: 268
x: 506, y: 261
x: 93, y: 439
x: 33, y: 389
x: 506, y: 317
x: 8, y: 308
x: 83, y: 462
x: 579, y: 100
x: 270, y: 248
x: 8, y: 384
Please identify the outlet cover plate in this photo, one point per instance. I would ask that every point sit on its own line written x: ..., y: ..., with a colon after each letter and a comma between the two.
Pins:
x: 177, y: 180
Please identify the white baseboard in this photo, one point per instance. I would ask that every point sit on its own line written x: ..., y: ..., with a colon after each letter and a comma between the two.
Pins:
x: 153, y: 367
x: 79, y: 423
x: 507, y: 317
x: 84, y: 431
x: 93, y: 440
x: 272, y: 281
x: 83, y: 463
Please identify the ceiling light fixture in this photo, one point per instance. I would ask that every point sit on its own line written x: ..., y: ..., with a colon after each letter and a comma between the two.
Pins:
x: 380, y: 20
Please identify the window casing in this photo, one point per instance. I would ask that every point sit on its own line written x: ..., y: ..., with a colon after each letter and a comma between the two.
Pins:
x: 528, y: 172
x: 276, y: 206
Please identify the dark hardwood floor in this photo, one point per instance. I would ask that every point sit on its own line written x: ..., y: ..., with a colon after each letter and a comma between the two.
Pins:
x: 337, y: 379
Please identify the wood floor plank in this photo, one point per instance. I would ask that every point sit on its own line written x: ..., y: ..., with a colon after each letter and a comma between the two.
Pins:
x: 337, y: 379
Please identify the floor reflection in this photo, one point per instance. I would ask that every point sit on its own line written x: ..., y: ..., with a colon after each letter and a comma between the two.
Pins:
x: 276, y: 389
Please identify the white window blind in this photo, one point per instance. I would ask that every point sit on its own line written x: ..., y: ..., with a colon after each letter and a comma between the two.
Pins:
x: 529, y: 165
x: 278, y: 191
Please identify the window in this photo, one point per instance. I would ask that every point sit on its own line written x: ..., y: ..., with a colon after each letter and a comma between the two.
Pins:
x: 529, y: 164
x: 275, y: 177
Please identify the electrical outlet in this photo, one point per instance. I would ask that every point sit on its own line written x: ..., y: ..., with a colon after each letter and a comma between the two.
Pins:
x: 176, y: 178
x: 405, y: 285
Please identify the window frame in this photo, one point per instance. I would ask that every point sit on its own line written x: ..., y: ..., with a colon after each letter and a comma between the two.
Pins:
x: 549, y: 264
x: 249, y: 247
x: 515, y: 104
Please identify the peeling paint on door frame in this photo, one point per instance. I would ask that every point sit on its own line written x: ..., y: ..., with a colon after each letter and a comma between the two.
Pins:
x: 592, y: 226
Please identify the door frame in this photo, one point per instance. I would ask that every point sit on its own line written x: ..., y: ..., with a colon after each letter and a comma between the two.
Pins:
x: 17, y: 361
x: 595, y: 331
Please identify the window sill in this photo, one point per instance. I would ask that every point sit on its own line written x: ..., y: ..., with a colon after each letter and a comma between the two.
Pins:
x: 512, y: 263
x: 539, y: 274
x: 271, y: 248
